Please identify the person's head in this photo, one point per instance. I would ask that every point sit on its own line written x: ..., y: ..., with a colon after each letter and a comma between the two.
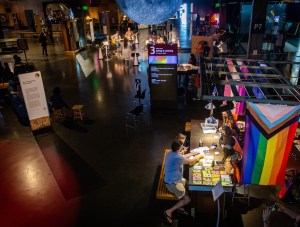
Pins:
x: 180, y: 137
x: 192, y: 56
x: 176, y: 146
x: 56, y: 91
x: 153, y: 33
x: 226, y: 130
x: 158, y: 36
x: 128, y: 29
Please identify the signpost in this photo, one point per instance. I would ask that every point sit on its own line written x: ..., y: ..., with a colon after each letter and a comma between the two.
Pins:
x: 217, y: 191
x: 163, y: 59
x: 35, y: 100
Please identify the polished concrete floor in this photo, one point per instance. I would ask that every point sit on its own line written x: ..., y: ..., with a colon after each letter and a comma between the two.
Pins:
x: 91, y: 172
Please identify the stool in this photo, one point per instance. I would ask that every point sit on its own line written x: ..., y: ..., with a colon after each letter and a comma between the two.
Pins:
x: 59, y: 115
x: 78, y: 112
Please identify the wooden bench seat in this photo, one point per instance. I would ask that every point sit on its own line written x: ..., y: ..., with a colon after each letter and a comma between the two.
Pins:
x: 162, y: 192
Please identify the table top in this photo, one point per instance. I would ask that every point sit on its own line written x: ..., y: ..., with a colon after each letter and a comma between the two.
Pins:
x: 203, y: 178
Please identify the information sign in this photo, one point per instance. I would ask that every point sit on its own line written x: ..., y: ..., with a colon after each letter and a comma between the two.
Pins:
x: 35, y: 99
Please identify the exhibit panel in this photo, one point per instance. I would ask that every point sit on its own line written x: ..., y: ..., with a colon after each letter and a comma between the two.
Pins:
x: 162, y: 75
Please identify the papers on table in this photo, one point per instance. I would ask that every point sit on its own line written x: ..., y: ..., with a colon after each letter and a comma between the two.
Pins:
x: 201, y: 150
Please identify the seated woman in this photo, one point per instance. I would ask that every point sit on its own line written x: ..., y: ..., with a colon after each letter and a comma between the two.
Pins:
x: 232, y: 153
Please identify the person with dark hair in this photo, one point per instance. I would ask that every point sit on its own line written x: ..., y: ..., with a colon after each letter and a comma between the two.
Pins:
x: 192, y: 59
x: 206, y: 49
x: 17, y: 59
x: 174, y: 180
x: 43, y: 41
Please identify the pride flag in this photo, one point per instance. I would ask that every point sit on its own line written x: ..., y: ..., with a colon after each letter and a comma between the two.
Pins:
x: 239, y: 106
x: 270, y: 131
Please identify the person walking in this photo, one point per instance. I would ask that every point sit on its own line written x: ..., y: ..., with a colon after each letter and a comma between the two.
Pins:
x: 43, y: 42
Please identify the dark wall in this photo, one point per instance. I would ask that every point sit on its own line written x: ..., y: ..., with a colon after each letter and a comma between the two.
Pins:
x: 293, y: 12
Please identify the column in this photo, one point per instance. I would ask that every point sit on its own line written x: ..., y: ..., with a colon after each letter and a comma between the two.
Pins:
x: 257, y: 27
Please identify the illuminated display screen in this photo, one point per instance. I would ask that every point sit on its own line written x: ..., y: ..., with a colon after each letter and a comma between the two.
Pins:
x: 162, y: 60
x: 163, y: 82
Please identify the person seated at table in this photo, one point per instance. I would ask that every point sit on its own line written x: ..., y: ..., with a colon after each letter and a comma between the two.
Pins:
x: 174, y: 181
x: 182, y: 138
x: 159, y: 39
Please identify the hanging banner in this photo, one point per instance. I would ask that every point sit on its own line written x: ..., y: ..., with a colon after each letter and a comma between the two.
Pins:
x: 35, y: 100
x: 270, y: 131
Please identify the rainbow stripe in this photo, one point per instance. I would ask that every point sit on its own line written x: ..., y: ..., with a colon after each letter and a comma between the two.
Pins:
x: 265, y: 157
x: 239, y: 107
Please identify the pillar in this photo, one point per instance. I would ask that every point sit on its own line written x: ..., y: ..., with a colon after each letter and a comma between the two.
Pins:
x: 257, y: 27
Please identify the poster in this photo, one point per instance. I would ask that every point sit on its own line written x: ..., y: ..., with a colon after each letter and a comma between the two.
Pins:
x: 35, y: 99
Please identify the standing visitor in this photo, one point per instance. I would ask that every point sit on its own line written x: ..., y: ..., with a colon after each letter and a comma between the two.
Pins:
x: 126, y: 52
x: 274, y: 31
x: 43, y: 41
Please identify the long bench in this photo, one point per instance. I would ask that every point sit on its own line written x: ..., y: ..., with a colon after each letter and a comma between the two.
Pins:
x: 162, y: 192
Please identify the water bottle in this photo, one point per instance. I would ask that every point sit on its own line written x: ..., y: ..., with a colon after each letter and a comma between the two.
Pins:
x: 201, y: 142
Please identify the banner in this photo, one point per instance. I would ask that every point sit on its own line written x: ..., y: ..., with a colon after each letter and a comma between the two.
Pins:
x: 35, y: 99
x: 270, y: 131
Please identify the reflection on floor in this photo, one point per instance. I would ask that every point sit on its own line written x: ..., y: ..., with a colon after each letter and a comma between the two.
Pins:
x: 91, y: 173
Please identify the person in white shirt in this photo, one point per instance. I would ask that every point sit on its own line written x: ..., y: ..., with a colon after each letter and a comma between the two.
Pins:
x: 128, y: 34
x: 159, y: 40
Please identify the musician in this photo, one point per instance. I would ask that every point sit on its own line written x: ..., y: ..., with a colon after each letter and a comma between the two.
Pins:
x: 159, y: 39
x: 129, y: 34
x: 116, y: 38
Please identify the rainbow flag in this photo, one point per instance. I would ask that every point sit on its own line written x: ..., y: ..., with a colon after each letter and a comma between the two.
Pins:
x: 270, y: 131
x: 239, y: 106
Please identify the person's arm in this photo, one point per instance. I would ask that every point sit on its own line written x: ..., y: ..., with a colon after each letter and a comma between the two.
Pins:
x: 266, y: 216
x: 193, y: 160
x: 290, y: 213
x: 190, y: 154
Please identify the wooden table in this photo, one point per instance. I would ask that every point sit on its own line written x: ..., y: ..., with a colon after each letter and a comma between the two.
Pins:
x: 208, y: 140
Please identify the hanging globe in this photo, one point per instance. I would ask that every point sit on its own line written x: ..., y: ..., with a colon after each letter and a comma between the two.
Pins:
x: 149, y: 11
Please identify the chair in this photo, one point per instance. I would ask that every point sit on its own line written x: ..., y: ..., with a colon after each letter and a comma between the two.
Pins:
x: 140, y: 96
x: 78, y: 112
x: 134, y: 117
x: 59, y: 114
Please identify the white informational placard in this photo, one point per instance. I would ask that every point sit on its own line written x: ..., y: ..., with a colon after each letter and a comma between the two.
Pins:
x: 34, y: 95
x: 217, y: 191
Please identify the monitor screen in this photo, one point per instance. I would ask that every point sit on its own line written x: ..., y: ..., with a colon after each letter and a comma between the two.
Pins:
x: 162, y: 59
